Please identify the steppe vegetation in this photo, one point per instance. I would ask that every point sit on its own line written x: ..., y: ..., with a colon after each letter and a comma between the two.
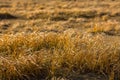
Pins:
x: 59, y: 40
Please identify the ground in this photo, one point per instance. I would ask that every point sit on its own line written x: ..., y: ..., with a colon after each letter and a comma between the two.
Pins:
x: 95, y: 22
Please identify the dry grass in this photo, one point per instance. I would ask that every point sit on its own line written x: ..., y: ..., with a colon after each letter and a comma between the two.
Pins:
x: 35, y: 56
x: 109, y: 28
x: 45, y: 41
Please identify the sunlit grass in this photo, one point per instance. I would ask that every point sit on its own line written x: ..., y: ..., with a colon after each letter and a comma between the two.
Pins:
x: 36, y: 56
x: 45, y: 41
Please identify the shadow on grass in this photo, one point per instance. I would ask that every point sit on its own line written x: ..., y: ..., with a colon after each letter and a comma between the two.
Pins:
x: 7, y: 16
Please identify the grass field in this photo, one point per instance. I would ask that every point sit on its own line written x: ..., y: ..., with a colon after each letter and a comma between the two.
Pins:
x: 59, y: 40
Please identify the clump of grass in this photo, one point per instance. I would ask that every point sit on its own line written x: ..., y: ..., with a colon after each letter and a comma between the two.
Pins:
x: 34, y: 42
x: 36, y: 56
x: 108, y: 28
x: 17, y: 46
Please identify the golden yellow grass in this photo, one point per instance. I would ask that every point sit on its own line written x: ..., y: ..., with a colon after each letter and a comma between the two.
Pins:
x: 37, y: 56
x: 110, y: 28
x: 42, y: 54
